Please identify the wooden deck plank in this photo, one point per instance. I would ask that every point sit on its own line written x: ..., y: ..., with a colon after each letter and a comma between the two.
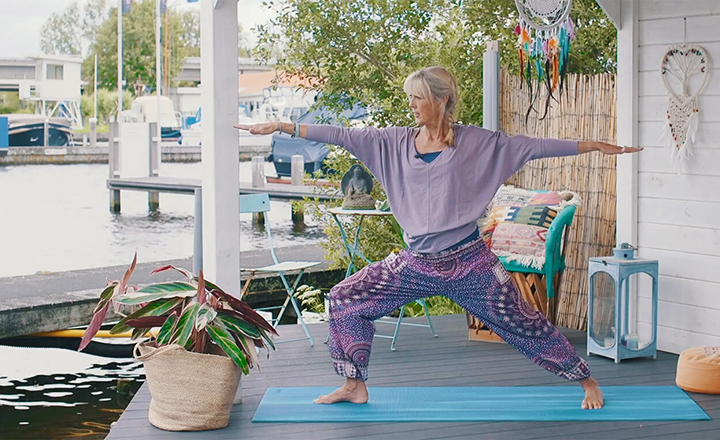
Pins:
x: 450, y: 360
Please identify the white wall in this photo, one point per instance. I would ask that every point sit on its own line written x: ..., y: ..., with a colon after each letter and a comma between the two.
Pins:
x: 678, y: 214
x: 67, y: 89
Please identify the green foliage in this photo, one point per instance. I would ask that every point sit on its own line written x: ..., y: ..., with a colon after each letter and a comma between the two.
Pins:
x: 364, y: 49
x: 311, y: 298
x: 189, y: 313
x: 59, y: 34
x: 437, y: 305
x: 107, y: 104
x: 139, y: 45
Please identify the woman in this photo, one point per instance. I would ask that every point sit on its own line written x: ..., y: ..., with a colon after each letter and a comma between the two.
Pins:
x: 439, y: 178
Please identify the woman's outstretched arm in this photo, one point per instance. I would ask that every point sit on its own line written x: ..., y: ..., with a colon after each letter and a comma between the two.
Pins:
x: 605, y: 148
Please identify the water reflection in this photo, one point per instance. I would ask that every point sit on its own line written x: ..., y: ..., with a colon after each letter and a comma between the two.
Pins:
x: 63, y: 394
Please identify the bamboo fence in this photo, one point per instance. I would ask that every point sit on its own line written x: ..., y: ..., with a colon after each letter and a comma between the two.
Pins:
x: 584, y: 111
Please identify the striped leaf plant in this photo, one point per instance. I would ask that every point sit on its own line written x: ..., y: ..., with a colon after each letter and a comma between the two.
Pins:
x: 193, y: 313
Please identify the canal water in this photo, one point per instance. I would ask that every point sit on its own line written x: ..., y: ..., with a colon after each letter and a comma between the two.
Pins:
x: 56, y: 218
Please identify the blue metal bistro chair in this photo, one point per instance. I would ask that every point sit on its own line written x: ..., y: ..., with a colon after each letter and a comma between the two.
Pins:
x: 260, y: 203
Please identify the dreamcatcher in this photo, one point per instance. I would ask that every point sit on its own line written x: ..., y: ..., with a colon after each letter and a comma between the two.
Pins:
x: 684, y: 69
x: 544, y: 35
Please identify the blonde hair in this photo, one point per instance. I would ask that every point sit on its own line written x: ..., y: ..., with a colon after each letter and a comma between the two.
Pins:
x: 436, y: 83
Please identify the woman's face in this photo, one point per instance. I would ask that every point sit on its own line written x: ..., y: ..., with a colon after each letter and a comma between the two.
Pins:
x: 422, y: 109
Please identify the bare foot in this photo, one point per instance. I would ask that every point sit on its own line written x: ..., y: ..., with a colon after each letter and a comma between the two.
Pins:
x: 593, y: 395
x: 353, y: 391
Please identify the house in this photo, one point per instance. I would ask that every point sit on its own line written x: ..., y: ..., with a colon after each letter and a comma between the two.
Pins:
x: 53, y: 81
x: 671, y: 214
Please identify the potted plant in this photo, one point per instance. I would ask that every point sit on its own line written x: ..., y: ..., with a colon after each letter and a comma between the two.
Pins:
x: 207, y: 338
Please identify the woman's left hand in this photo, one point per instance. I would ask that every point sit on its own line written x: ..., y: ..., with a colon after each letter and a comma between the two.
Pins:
x: 585, y: 147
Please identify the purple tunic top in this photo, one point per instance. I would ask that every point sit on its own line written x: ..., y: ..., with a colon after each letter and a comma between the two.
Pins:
x: 438, y: 203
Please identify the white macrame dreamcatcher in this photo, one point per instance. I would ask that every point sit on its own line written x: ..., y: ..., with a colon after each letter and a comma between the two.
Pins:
x: 684, y: 68
x: 544, y: 35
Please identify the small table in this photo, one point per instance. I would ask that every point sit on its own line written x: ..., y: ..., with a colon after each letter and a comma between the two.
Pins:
x: 355, y: 251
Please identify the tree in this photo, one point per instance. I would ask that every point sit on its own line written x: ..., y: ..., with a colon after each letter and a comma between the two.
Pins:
x: 138, y: 46
x: 365, y: 48
x: 96, y: 12
x: 59, y: 35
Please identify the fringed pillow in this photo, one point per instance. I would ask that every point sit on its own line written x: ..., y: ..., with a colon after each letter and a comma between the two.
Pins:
x: 517, y: 221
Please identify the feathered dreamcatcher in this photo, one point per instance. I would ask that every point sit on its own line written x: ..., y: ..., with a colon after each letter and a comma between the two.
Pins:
x: 544, y: 35
x: 684, y: 70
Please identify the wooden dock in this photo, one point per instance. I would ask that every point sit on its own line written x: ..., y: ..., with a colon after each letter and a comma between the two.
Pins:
x: 188, y: 186
x: 420, y: 360
x: 59, y: 300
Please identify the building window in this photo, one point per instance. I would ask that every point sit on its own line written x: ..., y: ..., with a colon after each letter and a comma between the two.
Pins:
x: 54, y: 71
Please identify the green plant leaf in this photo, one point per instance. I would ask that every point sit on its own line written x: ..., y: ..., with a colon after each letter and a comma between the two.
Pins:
x: 224, y: 339
x: 155, y: 308
x: 166, y: 331
x: 244, y: 311
x: 185, y: 272
x: 205, y: 315
x: 267, y: 339
x: 106, y: 296
x: 139, y: 333
x: 186, y: 324
x: 153, y: 292
x: 236, y: 324
x: 249, y: 348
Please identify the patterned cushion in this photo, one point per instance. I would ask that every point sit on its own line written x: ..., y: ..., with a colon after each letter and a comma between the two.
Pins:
x: 510, y: 196
x: 552, y: 198
x: 519, y: 239
x: 531, y: 215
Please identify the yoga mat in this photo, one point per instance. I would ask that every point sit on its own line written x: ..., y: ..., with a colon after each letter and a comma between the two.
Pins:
x: 479, y: 404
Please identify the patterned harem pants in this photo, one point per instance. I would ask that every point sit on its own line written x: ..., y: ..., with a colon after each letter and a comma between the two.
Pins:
x: 473, y: 277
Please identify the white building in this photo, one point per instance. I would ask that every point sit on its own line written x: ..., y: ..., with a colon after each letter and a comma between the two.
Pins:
x: 53, y: 81
x: 672, y: 216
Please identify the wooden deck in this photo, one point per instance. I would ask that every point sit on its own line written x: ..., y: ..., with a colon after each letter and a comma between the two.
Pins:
x: 420, y: 360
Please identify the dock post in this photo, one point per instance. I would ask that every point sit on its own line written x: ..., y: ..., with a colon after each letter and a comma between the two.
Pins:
x: 93, y: 133
x: 297, y: 173
x: 258, y: 172
x: 154, y: 196
x: 297, y: 169
x: 197, y: 242
x: 114, y: 162
x: 46, y: 133
x: 258, y: 181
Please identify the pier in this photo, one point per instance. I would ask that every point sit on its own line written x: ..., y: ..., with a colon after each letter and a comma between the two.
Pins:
x: 56, y: 301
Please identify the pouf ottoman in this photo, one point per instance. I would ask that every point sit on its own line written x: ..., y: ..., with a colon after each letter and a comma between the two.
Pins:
x: 698, y: 370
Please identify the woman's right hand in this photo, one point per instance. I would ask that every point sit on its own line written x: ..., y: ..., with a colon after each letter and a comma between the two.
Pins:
x: 264, y: 128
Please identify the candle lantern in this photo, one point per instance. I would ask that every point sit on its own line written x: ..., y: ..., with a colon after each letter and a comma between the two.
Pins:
x: 611, y: 331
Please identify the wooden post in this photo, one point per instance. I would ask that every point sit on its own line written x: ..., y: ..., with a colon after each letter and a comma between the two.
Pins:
x: 46, y: 133
x: 114, y: 164
x: 220, y: 156
x: 258, y: 181
x: 258, y: 172
x: 491, y: 86
x: 93, y: 132
x: 297, y: 169
x: 154, y: 196
x: 297, y: 173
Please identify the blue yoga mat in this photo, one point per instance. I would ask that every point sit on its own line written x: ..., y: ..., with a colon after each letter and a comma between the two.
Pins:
x: 479, y: 404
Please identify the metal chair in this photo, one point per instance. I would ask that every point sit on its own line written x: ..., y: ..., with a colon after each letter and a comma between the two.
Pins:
x: 260, y: 203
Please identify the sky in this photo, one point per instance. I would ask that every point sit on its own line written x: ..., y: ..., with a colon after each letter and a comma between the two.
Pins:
x: 21, y: 21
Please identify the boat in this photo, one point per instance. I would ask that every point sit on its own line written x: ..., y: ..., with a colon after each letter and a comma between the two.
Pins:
x: 25, y: 130
x: 145, y: 109
x: 284, y: 146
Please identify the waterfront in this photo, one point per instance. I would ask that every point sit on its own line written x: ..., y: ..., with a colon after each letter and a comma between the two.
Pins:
x: 56, y: 218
